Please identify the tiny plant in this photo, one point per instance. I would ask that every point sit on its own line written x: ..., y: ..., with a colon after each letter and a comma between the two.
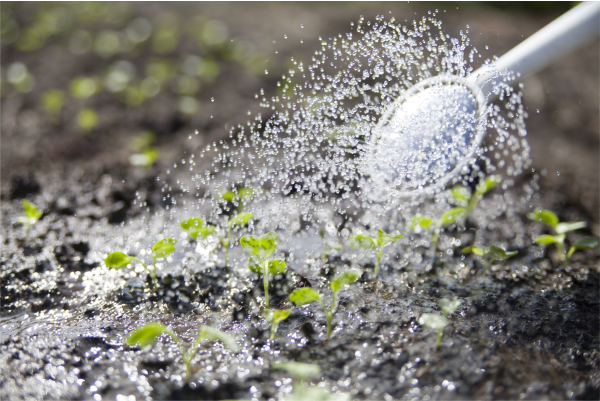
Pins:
x: 32, y: 214
x: 306, y: 295
x: 438, y: 322
x: 160, y: 250
x: 494, y: 253
x: 238, y: 198
x: 146, y: 154
x: 260, y: 248
x: 196, y: 227
x: 377, y: 243
x: 465, y: 198
x: 328, y: 246
x: 434, y: 227
x: 275, y: 316
x: 550, y: 219
x: 237, y: 220
x: 148, y: 333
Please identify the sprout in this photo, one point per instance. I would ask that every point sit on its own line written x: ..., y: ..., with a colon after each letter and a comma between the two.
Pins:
x: 437, y: 322
x: 328, y: 246
x: 450, y: 217
x: 146, y: 158
x: 376, y: 243
x: 160, y: 250
x: 87, y: 119
x: 32, y: 214
x: 148, y: 333
x: 238, y: 220
x: 550, y: 219
x: 52, y: 101
x: 493, y: 252
x: 306, y: 295
x: 463, y: 197
x: 260, y: 248
x: 275, y: 316
x: 197, y: 227
x: 238, y: 198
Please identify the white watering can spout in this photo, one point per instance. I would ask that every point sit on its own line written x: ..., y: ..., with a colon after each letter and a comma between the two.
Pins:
x: 432, y: 131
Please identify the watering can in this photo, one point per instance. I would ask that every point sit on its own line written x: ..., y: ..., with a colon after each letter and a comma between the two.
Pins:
x: 433, y: 131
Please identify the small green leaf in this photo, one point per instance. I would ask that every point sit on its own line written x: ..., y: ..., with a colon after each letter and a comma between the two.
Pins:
x: 333, y: 246
x: 449, y: 306
x: 163, y: 247
x: 586, y: 243
x: 452, y: 215
x: 212, y: 334
x: 87, y: 119
x: 304, y: 296
x: 253, y: 266
x: 544, y: 216
x: 550, y: 239
x: 461, y: 195
x: 422, y: 221
x: 146, y: 158
x: 240, y: 219
x: 260, y: 247
x: 31, y: 211
x: 362, y: 241
x: 276, y: 315
x: 196, y: 227
x: 565, y: 227
x: 500, y: 253
x: 474, y: 249
x: 142, y: 141
x: 52, y: 101
x: 276, y: 266
x: 384, y: 239
x: 488, y: 184
x: 146, y: 334
x: 228, y: 196
x: 433, y: 321
x: 338, y: 283
x: 299, y: 369
x: 118, y: 260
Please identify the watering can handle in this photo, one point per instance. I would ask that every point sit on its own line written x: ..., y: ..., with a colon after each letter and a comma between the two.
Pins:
x: 572, y: 30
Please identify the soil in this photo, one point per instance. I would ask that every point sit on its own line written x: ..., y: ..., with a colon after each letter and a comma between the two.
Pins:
x: 529, y: 329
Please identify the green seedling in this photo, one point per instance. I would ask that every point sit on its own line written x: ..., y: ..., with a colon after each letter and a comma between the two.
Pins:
x: 494, y: 253
x: 160, y: 250
x: 87, y: 119
x: 146, y: 158
x: 52, y: 101
x: 463, y: 196
x: 550, y: 219
x: 238, y: 220
x: 196, y: 227
x: 376, y: 243
x: 437, y: 322
x: 238, y: 198
x: 328, y: 246
x: 260, y: 248
x: 434, y: 227
x: 32, y: 214
x: 275, y: 316
x: 148, y: 333
x: 306, y: 295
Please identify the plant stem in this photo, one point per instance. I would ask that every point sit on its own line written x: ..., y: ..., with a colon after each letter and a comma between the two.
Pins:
x: 488, y: 264
x: 434, y: 242
x: 439, y: 338
x: 185, y: 355
x: 569, y: 254
x: 379, y: 253
x: 266, y: 282
x: 226, y: 244
x: 149, y: 271
x: 273, y: 330
x: 329, y: 314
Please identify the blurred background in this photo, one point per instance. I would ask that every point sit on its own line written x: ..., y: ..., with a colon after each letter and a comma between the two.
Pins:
x: 118, y: 87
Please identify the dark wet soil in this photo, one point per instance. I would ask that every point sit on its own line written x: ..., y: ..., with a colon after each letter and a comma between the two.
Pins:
x: 528, y: 330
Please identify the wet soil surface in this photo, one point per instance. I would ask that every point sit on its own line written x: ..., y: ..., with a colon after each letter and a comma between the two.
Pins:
x: 529, y: 329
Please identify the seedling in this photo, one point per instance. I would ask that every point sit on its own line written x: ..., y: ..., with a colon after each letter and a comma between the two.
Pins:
x: 377, y: 243
x: 87, y: 119
x: 306, y: 295
x: 148, y: 333
x: 260, y: 248
x: 146, y: 154
x: 437, y: 322
x: 238, y: 198
x: 550, y: 219
x: 160, y: 250
x: 275, y: 316
x: 32, y: 214
x: 237, y: 220
x: 463, y: 196
x: 434, y: 227
x: 197, y: 227
x: 493, y: 252
x: 328, y: 246
x: 52, y: 101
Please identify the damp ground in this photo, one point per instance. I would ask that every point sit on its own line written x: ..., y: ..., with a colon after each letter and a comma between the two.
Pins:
x: 527, y: 330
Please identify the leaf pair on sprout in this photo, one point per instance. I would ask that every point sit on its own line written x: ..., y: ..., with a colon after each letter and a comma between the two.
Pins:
x: 465, y: 198
x: 434, y: 227
x: 306, y: 295
x: 550, y: 219
x: 160, y: 250
x: 493, y: 253
x: 275, y: 316
x: 147, y: 334
x: 32, y: 215
x: 438, y: 322
x: 376, y: 243
x: 260, y: 248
